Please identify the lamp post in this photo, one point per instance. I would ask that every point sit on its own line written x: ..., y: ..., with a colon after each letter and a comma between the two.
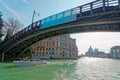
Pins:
x: 33, y: 17
x: 32, y: 24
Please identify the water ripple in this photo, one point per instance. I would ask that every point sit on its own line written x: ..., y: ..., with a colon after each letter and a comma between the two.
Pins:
x: 91, y: 69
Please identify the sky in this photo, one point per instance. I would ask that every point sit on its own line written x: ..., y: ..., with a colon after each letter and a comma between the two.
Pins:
x: 22, y: 10
x: 101, y: 40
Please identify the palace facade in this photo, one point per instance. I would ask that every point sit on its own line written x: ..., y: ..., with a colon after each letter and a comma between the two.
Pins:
x: 57, y: 47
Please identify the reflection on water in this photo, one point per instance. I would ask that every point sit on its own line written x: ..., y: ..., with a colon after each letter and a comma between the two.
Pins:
x: 90, y: 69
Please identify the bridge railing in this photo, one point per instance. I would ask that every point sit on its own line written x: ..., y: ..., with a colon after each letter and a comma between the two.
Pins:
x: 90, y: 7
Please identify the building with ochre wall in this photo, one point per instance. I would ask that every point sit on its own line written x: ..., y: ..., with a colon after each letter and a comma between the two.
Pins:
x: 62, y: 46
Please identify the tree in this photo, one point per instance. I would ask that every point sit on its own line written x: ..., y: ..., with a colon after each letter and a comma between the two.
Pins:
x: 1, y: 25
x: 11, y: 27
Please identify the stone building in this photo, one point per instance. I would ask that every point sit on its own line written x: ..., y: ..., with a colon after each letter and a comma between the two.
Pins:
x: 115, y: 52
x: 90, y: 52
x: 62, y: 46
x: 95, y: 53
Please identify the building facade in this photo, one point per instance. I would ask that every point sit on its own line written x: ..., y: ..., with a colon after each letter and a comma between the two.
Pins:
x: 56, y: 47
x: 95, y: 53
x: 115, y: 52
x: 89, y: 53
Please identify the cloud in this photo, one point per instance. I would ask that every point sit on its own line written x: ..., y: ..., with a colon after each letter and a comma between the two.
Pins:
x: 15, y: 13
x: 25, y: 1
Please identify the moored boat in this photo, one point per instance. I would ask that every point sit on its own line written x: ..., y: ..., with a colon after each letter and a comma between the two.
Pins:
x: 28, y: 63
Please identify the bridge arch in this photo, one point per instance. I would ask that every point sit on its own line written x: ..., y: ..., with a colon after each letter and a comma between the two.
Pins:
x: 99, y: 15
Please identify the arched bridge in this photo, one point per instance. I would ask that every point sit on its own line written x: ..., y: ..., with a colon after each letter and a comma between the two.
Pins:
x: 100, y: 15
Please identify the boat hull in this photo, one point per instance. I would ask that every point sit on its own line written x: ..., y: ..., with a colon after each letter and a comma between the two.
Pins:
x: 28, y: 63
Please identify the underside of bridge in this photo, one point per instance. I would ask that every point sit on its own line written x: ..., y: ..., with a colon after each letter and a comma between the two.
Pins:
x: 107, y: 21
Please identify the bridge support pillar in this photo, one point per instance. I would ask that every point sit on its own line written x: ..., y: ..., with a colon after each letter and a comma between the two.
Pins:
x: 3, y: 56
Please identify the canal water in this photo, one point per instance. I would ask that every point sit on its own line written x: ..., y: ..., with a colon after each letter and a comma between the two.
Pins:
x: 81, y: 69
x: 90, y: 69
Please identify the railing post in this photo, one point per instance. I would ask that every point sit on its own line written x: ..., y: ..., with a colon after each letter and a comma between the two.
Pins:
x: 91, y: 8
x: 80, y: 10
x: 107, y: 1
x: 55, y: 16
x: 119, y: 3
x: 63, y: 13
x: 103, y: 5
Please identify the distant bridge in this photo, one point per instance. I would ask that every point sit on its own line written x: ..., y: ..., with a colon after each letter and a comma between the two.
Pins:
x: 100, y: 15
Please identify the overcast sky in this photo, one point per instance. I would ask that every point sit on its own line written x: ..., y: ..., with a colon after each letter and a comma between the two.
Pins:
x: 22, y: 10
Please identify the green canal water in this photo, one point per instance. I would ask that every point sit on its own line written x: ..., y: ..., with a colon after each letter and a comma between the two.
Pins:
x: 53, y: 70
x: 81, y: 69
